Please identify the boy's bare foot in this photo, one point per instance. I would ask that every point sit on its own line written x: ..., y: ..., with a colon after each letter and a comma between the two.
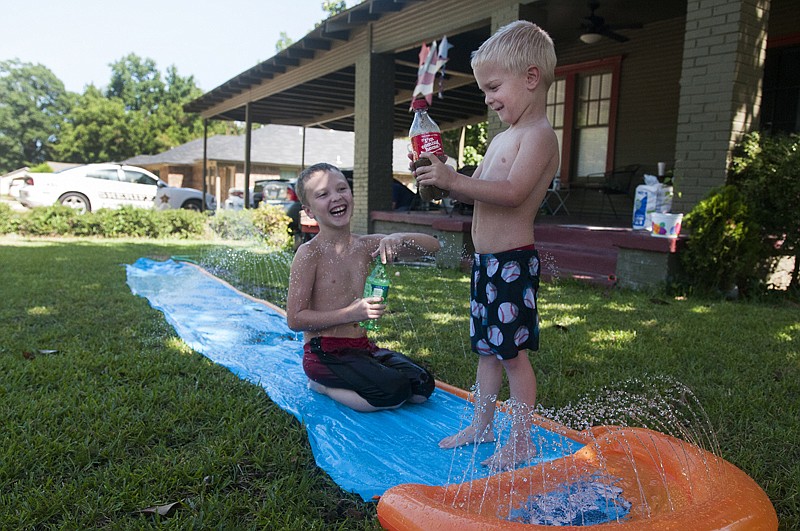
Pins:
x: 469, y: 435
x: 510, y: 455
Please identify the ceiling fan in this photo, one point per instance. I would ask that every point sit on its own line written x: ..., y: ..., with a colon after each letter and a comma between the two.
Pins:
x: 594, y: 27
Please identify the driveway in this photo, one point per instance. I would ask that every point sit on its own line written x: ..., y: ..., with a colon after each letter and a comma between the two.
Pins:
x: 13, y: 203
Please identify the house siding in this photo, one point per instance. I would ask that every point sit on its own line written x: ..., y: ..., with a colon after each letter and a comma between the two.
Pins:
x: 649, y: 97
x: 724, y: 49
x: 784, y: 16
x: 648, y: 92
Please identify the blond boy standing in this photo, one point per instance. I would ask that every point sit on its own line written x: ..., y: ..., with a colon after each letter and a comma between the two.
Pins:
x: 514, y: 69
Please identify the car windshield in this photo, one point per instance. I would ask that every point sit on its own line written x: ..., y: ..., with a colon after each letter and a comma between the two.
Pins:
x: 137, y: 177
x: 273, y: 190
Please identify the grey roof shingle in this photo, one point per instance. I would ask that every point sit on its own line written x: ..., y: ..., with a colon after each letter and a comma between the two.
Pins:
x: 277, y: 145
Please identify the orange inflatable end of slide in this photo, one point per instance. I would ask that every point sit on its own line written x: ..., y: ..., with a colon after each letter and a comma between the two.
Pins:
x: 668, y: 483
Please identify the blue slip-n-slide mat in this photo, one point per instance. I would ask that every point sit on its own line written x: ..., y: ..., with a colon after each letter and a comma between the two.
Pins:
x: 365, y: 453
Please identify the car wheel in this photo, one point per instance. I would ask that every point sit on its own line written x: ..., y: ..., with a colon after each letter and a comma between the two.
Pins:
x: 76, y: 201
x: 192, y: 204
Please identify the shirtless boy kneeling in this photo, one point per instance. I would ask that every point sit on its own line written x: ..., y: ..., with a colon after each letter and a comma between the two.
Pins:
x: 325, y: 301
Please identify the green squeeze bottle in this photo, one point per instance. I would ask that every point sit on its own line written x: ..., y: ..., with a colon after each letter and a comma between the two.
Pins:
x: 377, y: 285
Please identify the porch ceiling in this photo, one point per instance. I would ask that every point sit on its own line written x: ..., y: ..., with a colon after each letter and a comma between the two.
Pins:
x: 327, y: 100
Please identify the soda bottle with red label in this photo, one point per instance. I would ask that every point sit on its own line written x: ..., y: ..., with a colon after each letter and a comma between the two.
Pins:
x: 426, y: 138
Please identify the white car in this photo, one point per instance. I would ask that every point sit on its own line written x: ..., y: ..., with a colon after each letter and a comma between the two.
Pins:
x: 96, y: 186
x: 173, y: 197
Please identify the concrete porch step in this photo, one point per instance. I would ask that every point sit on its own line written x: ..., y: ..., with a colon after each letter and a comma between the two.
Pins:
x: 569, y: 246
x: 561, y: 259
x: 581, y: 235
x: 581, y: 252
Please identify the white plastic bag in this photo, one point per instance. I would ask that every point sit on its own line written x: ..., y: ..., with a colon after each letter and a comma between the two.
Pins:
x: 664, y: 199
x: 645, y: 202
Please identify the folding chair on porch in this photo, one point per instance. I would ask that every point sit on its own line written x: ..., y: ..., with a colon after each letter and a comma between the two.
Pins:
x: 616, y: 182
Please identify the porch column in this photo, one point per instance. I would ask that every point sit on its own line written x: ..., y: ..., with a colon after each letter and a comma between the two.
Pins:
x: 720, y: 98
x: 205, y: 164
x: 248, y: 136
x: 374, y: 134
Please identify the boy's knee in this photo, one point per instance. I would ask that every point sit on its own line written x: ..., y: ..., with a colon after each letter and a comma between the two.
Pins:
x: 420, y: 379
x: 391, y: 393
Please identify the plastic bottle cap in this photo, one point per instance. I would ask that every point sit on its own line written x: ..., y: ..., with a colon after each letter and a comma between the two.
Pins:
x: 419, y: 104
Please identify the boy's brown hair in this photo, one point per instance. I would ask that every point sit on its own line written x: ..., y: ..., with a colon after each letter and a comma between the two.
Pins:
x: 300, y: 185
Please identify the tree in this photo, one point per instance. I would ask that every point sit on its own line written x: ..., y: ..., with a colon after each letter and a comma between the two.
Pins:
x: 284, y: 42
x: 33, y: 104
x: 474, y: 143
x: 141, y: 112
x: 137, y: 82
x: 334, y: 7
x: 98, y: 130
x: 175, y: 126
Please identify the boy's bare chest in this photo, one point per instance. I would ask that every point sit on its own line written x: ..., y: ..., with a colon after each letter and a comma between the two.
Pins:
x: 339, y: 281
x: 499, y: 158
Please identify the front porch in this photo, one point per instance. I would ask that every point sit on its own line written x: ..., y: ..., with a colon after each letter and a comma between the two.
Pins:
x: 601, y: 249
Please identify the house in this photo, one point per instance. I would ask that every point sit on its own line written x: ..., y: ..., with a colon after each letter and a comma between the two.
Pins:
x: 276, y: 152
x: 679, y: 81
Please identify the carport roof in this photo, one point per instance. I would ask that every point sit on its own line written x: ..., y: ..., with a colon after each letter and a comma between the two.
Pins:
x: 327, y: 100
x: 291, y: 89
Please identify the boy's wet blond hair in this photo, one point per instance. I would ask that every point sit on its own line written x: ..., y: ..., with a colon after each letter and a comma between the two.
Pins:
x: 516, y: 46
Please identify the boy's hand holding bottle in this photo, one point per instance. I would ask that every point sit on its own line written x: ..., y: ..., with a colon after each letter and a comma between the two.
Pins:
x: 377, y: 285
x: 425, y: 138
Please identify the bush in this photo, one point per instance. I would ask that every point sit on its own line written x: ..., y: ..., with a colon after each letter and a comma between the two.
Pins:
x: 54, y: 220
x: 9, y: 220
x: 90, y: 224
x: 274, y: 226
x: 724, y: 249
x: 740, y: 230
x: 127, y: 221
x: 233, y: 225
x: 267, y: 223
x: 183, y: 223
x: 767, y: 171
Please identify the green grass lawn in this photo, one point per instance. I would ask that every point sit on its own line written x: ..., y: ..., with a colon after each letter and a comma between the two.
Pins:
x: 123, y: 416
